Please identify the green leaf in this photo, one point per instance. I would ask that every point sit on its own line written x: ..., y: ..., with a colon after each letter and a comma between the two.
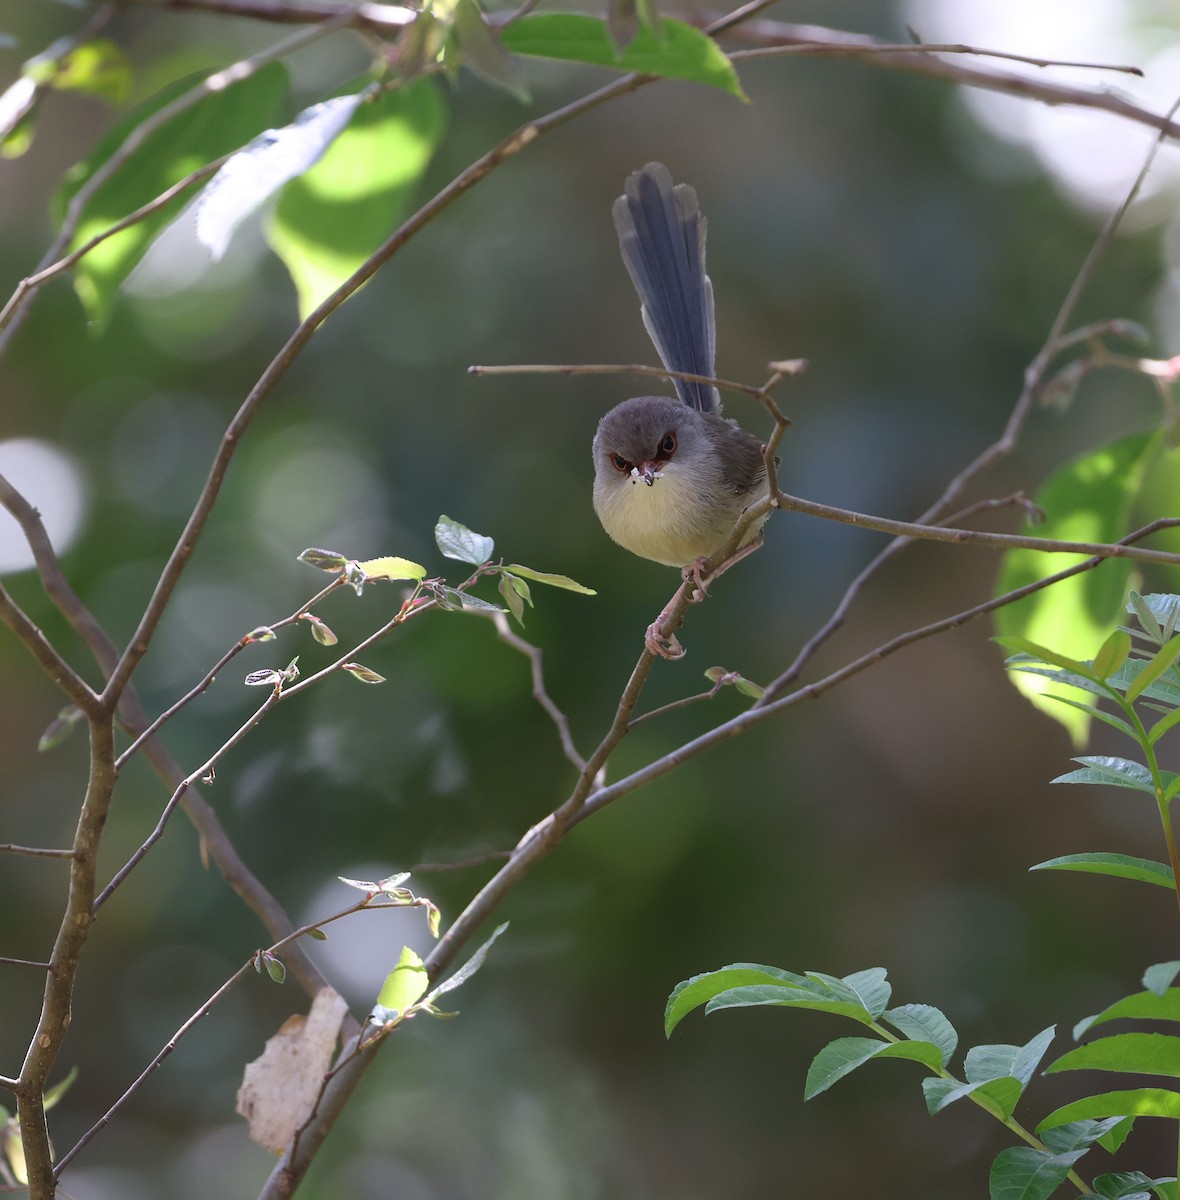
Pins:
x: 1077, y: 1135
x: 512, y: 597
x: 759, y: 995
x: 1025, y: 1173
x: 274, y: 967
x: 1153, y: 612
x: 999, y: 1095
x: 843, y: 1056
x: 1118, y: 772
x: 1112, y: 1141
x: 1154, y: 668
x: 469, y: 603
x: 59, y: 728
x: 1088, y: 499
x: 1148, y: 1053
x: 1042, y: 653
x: 323, y: 560
x: 676, y: 51
x: 1150, y: 1006
x: 330, y: 219
x: 1112, y: 653
x: 55, y: 1093
x: 469, y: 968
x: 391, y: 567
x: 406, y: 984
x: 362, y: 673
x: 99, y: 68
x: 1139, y: 1102
x: 458, y: 542
x: 868, y: 988
x: 558, y: 581
x: 1162, y: 726
x: 924, y: 1023
x: 1123, y: 1185
x: 995, y: 1061
x: 217, y: 124
x: 478, y: 48
x: 1159, y: 977
x: 1122, y: 866
x: 1163, y: 689
x: 693, y: 993
x: 1093, y: 711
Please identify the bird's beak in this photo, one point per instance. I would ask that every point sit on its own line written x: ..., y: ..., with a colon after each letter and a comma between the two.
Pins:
x: 649, y: 472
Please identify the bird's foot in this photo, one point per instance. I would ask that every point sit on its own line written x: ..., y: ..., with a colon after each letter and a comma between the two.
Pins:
x: 661, y: 644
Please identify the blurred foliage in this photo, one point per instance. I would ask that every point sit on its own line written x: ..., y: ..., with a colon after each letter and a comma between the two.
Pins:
x: 858, y: 217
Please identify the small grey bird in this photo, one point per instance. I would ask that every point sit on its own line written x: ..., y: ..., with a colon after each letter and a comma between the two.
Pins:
x: 672, y: 476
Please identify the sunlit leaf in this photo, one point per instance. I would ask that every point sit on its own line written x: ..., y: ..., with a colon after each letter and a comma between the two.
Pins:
x: 1148, y: 1053
x: 405, y: 984
x: 469, y: 968
x: 99, y: 68
x: 1087, y: 500
x: 1139, y: 1102
x: 260, y: 168
x: 1122, y: 866
x: 391, y: 567
x: 331, y: 218
x: 1148, y: 1006
x: 558, y: 581
x: 676, y: 51
x: 458, y: 542
x: 220, y: 122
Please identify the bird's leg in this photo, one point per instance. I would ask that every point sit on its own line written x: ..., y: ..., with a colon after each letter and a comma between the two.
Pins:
x: 693, y: 572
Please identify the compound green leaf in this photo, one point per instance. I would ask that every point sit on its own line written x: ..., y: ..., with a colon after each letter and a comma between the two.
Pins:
x: 924, y: 1023
x: 999, y: 1095
x: 217, y: 124
x: 1025, y: 1173
x: 1139, y: 1102
x: 1148, y: 1006
x: 1087, y: 500
x: 701, y: 989
x: 1117, y: 772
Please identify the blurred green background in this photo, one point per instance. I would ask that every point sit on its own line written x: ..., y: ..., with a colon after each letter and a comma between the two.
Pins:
x: 866, y: 219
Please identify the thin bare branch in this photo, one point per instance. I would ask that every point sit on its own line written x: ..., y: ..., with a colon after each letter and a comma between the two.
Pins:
x: 510, y: 638
x: 177, y: 796
x: 34, y: 851
x: 204, y: 684
x: 25, y: 962
x: 726, y: 385
x: 52, y: 663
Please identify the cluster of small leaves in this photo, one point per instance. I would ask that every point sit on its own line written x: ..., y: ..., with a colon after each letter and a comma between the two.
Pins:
x: 994, y: 1076
x: 392, y: 893
x: 271, y: 677
x: 462, y: 544
x: 264, y: 960
x: 720, y: 678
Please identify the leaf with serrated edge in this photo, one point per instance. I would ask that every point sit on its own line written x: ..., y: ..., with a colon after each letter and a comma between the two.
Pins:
x: 1147, y: 1053
x: 1154, y: 668
x: 558, y: 581
x: 995, y: 1060
x: 843, y: 1056
x: 758, y: 995
x: 1118, y: 772
x: 1147, y: 1006
x: 1121, y: 866
x: 1025, y: 1173
x: 693, y: 993
x: 457, y: 541
x: 998, y: 1095
x: 924, y: 1023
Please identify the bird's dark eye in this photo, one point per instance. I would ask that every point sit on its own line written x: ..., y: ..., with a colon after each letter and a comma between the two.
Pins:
x: 667, y: 447
x: 620, y: 463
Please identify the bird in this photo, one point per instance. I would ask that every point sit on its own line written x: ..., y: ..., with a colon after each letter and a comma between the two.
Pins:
x: 671, y: 474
